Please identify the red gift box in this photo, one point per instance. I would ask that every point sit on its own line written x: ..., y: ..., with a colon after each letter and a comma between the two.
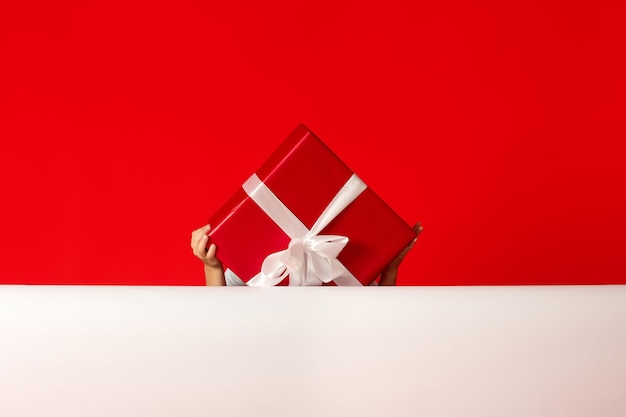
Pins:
x: 304, y: 177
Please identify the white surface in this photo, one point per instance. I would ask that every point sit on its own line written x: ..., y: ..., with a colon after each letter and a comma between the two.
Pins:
x: 457, y: 351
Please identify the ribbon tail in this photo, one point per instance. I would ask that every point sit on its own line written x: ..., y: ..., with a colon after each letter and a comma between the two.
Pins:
x: 273, y: 271
x: 262, y: 280
x: 341, y: 276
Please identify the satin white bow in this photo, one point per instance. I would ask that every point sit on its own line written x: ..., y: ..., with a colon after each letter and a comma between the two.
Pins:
x: 311, y: 258
x: 309, y: 262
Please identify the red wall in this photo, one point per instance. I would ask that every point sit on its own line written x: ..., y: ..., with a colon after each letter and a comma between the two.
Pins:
x: 498, y: 125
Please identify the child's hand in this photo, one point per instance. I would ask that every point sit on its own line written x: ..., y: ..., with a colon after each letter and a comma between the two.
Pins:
x: 390, y: 274
x: 213, y: 271
x: 199, y: 240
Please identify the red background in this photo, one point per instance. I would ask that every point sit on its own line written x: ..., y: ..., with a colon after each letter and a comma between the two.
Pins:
x: 498, y: 125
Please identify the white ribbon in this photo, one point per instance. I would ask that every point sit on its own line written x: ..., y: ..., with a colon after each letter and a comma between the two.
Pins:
x: 310, y: 258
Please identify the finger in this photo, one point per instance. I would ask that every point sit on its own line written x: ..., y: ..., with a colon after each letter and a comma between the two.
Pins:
x: 200, y: 249
x: 197, y: 234
x: 202, y: 230
x: 195, y: 239
x: 418, y: 229
x: 406, y: 250
x: 210, y: 254
x: 211, y: 259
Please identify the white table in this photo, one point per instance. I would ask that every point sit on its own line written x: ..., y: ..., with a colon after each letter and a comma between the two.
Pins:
x: 419, y: 351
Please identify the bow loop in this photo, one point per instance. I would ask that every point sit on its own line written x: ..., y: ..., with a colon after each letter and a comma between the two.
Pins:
x: 327, y: 246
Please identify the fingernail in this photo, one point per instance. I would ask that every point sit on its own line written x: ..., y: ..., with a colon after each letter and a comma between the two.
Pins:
x: 204, y: 237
